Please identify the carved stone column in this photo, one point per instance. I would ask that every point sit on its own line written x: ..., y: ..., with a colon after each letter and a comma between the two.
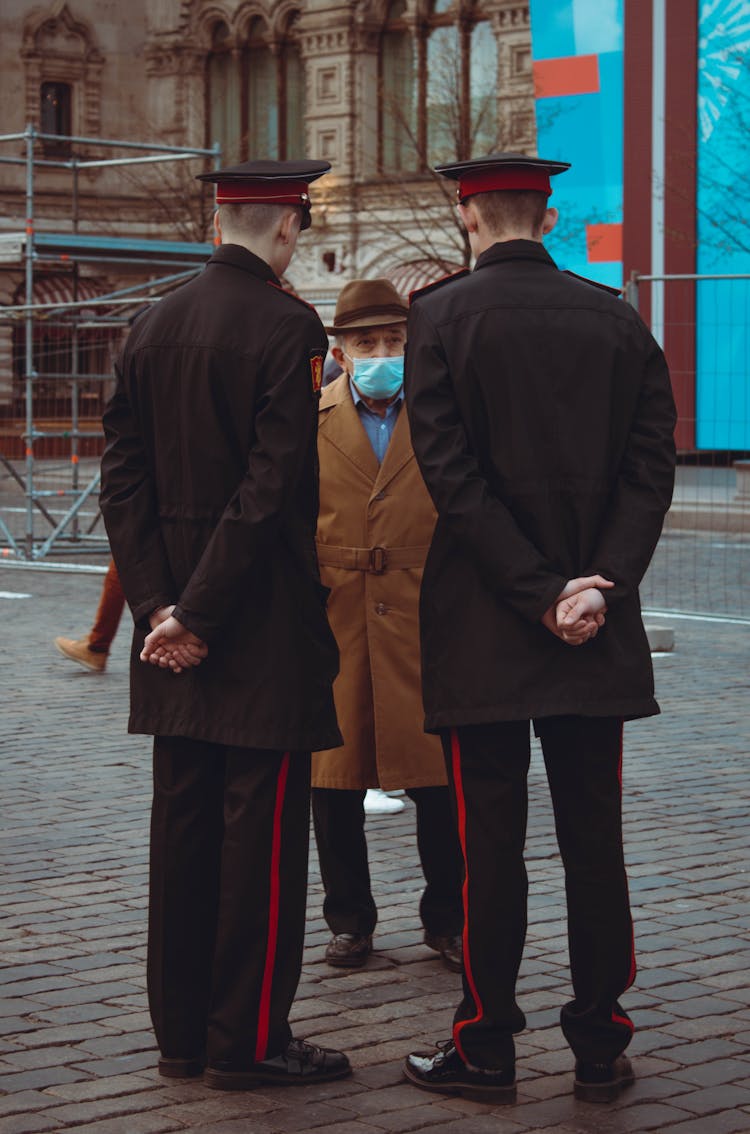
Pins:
x: 176, y: 92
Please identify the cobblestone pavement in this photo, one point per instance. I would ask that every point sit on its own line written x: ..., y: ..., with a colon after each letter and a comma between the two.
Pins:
x: 77, y: 1053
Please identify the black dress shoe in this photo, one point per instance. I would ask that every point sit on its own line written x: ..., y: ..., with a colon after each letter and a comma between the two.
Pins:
x: 447, y: 1074
x: 181, y: 1068
x: 301, y: 1063
x: 349, y: 950
x: 602, y: 1082
x: 451, y: 949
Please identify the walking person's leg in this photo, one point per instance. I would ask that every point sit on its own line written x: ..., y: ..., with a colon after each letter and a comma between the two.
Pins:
x: 109, y: 612
x: 92, y: 650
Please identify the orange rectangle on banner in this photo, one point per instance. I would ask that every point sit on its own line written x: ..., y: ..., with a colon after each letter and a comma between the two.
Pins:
x: 603, y: 242
x: 576, y: 74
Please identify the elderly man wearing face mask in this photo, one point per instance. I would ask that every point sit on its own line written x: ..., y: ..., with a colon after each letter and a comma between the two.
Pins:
x: 374, y: 529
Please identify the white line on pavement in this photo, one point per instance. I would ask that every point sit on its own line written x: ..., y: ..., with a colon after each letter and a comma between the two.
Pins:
x: 13, y: 594
x: 697, y: 617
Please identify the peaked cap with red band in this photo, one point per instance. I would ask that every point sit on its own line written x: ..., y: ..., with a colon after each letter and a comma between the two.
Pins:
x: 501, y: 171
x: 267, y: 183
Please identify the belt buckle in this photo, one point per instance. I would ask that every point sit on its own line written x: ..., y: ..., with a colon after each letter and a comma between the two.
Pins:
x: 378, y: 560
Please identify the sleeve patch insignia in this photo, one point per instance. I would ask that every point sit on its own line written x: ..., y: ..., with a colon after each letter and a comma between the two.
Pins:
x: 316, y: 372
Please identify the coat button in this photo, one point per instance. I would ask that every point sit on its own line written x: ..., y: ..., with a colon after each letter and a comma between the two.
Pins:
x: 379, y: 496
x: 381, y: 608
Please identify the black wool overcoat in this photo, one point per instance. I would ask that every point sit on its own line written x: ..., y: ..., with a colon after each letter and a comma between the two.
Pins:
x: 210, y: 499
x: 542, y: 419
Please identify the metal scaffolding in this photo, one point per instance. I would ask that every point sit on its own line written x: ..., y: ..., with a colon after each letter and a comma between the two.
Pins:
x: 79, y: 316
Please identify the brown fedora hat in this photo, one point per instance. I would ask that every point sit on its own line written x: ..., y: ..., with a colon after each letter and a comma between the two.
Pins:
x: 367, y: 303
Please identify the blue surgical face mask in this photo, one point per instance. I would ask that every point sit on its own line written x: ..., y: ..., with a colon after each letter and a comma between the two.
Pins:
x: 378, y: 377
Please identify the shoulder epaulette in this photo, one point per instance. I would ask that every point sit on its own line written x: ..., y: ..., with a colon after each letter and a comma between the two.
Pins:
x: 420, y: 291
x: 595, y: 283
x: 292, y: 295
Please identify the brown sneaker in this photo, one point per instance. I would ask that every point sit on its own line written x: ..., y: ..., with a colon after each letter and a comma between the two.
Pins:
x: 79, y: 651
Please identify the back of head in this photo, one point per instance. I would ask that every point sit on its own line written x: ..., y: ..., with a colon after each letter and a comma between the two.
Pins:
x: 246, y: 224
x: 512, y: 211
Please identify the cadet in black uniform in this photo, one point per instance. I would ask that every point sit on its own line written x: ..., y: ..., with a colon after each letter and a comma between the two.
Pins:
x: 542, y: 418
x: 210, y: 498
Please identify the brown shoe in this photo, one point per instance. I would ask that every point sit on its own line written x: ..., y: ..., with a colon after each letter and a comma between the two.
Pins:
x: 348, y: 950
x: 80, y: 651
x: 450, y: 948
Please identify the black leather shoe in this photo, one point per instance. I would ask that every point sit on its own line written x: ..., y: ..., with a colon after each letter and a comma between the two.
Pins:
x: 447, y: 1074
x: 181, y: 1068
x: 349, y: 950
x: 451, y: 950
x: 301, y: 1063
x: 602, y: 1082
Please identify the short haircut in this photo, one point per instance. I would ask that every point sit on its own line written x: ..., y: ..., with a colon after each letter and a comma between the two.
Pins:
x: 250, y: 221
x: 509, y: 210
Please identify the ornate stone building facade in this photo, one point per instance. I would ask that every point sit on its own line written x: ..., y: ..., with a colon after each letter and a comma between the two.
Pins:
x: 380, y: 88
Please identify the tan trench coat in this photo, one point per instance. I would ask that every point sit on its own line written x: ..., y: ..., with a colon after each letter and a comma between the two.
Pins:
x: 374, y: 529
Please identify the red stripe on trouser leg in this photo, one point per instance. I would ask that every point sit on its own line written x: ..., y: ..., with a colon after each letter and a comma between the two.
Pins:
x: 264, y: 1011
x: 461, y: 813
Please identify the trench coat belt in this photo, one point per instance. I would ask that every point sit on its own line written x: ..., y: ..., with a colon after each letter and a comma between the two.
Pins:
x: 376, y: 560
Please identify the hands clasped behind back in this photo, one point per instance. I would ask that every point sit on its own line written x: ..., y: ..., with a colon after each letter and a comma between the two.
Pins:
x: 579, y: 610
x: 170, y: 645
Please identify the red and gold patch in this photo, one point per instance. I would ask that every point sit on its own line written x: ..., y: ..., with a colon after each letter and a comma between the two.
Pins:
x: 316, y: 371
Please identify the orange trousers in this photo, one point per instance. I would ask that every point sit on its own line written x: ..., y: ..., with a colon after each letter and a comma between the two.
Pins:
x: 109, y: 612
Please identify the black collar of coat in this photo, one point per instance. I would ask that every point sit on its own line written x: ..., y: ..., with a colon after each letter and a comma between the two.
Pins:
x: 238, y: 257
x: 515, y: 250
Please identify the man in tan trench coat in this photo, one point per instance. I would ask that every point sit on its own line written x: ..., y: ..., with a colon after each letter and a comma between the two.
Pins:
x: 374, y: 529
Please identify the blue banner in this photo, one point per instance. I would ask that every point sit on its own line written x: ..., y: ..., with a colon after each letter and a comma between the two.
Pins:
x: 723, y: 211
x: 577, y: 50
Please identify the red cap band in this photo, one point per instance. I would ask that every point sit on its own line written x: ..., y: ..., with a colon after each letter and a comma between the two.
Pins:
x: 268, y: 192
x: 510, y: 177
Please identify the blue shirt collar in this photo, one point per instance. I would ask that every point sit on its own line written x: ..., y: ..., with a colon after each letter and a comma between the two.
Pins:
x: 357, y: 398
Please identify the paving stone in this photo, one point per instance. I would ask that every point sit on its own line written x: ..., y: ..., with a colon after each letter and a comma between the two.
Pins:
x: 727, y: 1122
x: 145, y: 1124
x: 414, y: 1117
x: 43, y: 1056
x: 39, y: 1077
x: 101, y: 1088
x: 726, y: 1096
x: 27, y: 1123
x: 23, y: 1102
x: 75, y: 1114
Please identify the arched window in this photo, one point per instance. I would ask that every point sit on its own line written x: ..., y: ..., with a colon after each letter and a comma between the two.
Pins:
x: 397, y: 126
x: 438, y: 84
x: 291, y: 95
x: 223, y: 95
x: 460, y: 107
x: 255, y: 85
x: 262, y: 105
x: 482, y: 116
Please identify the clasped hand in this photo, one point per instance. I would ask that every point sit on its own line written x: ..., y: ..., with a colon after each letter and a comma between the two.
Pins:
x: 579, y: 610
x: 170, y: 645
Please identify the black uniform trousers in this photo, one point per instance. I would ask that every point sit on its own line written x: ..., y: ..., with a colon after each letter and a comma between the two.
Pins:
x: 228, y: 880
x: 348, y: 907
x: 487, y: 768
